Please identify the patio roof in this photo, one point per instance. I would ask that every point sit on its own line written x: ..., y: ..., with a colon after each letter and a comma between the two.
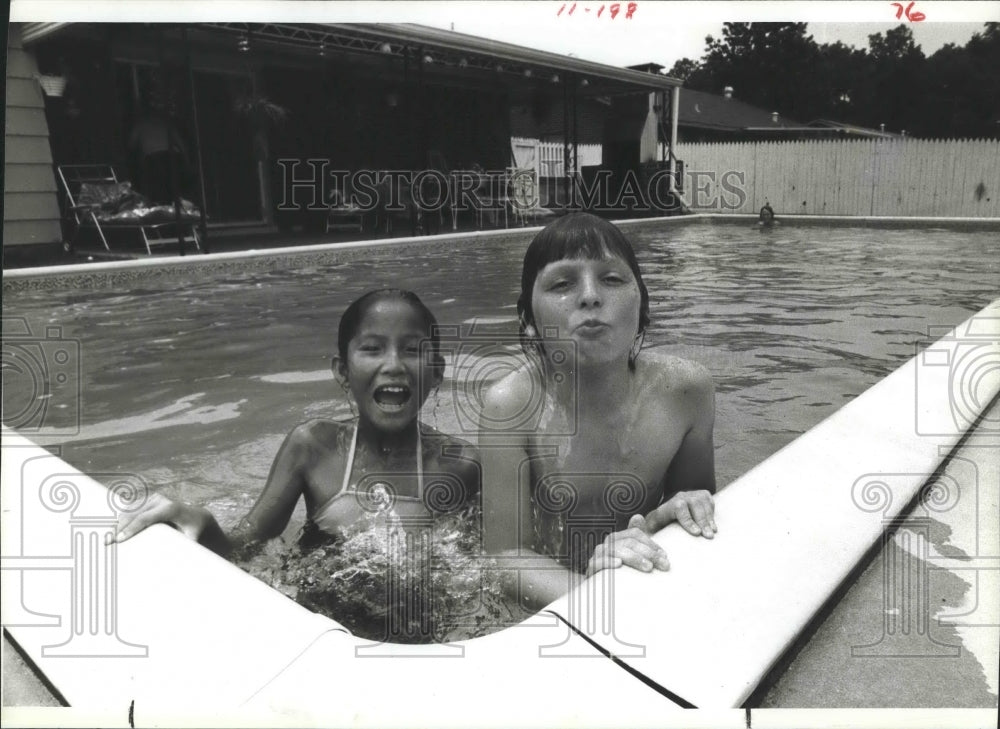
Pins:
x: 442, y: 53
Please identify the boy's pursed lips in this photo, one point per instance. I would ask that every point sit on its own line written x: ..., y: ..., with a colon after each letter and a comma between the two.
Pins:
x: 591, y: 326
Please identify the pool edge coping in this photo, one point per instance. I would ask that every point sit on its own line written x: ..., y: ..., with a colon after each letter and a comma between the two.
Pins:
x: 195, y: 260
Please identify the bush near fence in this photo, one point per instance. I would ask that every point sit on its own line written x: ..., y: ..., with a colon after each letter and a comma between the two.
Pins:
x: 905, y: 177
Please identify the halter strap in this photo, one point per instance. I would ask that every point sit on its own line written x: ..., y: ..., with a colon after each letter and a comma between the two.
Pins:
x: 350, y: 463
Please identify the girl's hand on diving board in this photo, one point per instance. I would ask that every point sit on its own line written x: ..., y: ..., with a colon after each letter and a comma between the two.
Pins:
x: 632, y: 547
x: 192, y: 521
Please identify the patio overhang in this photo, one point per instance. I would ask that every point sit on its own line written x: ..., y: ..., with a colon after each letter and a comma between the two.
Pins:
x: 33, y: 32
x: 443, y: 56
x: 514, y: 64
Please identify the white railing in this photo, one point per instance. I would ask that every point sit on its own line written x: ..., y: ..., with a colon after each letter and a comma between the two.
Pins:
x: 548, y: 158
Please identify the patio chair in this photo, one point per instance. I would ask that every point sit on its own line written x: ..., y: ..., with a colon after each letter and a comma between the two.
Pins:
x: 523, y: 193
x: 395, y: 204
x: 97, y: 200
x: 342, y: 215
x: 503, y: 196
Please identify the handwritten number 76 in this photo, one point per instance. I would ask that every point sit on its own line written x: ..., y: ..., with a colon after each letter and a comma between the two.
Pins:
x: 914, y: 16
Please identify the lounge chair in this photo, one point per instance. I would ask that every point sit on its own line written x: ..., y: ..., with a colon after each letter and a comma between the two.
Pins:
x: 97, y: 200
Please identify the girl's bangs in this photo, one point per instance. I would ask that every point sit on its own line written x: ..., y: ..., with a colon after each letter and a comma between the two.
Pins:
x: 580, y: 241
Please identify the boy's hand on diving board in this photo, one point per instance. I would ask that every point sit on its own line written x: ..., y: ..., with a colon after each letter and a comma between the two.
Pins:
x: 189, y: 520
x: 632, y: 547
x: 693, y: 510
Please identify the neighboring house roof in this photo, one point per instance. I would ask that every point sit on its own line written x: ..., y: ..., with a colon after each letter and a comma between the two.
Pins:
x: 852, y: 129
x: 702, y: 110
x: 712, y: 111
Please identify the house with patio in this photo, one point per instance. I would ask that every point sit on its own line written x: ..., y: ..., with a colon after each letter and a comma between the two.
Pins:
x: 270, y: 113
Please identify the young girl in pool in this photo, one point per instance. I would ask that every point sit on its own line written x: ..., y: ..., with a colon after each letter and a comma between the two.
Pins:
x: 388, y: 360
x: 622, y: 443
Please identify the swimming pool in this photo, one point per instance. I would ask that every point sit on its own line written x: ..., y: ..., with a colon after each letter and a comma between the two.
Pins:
x: 192, y: 384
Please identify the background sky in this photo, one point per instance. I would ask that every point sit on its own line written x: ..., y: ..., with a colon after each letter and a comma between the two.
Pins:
x: 662, y: 32
x: 664, y: 35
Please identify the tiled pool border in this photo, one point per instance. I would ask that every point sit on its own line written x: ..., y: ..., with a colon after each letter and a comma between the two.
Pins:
x: 116, y: 274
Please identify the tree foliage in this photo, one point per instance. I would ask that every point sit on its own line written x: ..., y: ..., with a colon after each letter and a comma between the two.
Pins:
x: 780, y: 67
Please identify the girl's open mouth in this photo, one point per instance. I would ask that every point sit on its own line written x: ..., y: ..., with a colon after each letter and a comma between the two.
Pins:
x: 392, y: 397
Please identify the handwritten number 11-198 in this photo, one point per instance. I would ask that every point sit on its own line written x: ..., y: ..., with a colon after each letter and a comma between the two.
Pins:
x: 613, y: 10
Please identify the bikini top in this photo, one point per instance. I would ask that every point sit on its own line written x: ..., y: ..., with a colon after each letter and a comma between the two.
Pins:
x: 348, y: 505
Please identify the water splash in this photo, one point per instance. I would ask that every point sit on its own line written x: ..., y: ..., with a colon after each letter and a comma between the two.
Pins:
x: 382, y: 579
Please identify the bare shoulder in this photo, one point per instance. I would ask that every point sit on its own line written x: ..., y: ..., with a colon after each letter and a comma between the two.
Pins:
x: 448, y: 446
x: 319, y: 434
x: 453, y: 455
x: 668, y: 374
x: 507, y: 397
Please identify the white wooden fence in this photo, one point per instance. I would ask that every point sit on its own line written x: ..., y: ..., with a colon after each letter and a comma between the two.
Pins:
x: 547, y: 158
x: 908, y: 177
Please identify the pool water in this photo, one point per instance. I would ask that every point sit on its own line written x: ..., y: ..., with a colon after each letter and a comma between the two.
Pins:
x: 193, y: 384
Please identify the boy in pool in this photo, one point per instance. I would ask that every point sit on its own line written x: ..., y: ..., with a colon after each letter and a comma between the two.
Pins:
x: 622, y: 444
x: 766, y: 216
x: 388, y: 360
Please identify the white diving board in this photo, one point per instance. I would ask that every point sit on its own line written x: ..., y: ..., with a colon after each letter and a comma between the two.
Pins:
x: 499, y: 680
x: 793, y: 528
x: 163, y: 629
x: 158, y: 620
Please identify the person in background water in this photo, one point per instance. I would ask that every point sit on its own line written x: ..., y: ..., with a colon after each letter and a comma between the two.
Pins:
x: 388, y: 360
x: 622, y: 442
x: 766, y: 217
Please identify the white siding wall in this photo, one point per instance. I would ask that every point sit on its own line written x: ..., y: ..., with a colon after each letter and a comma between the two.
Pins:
x: 31, y: 210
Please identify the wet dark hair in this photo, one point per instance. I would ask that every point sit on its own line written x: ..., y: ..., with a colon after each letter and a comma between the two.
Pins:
x: 577, y: 235
x: 359, y: 308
